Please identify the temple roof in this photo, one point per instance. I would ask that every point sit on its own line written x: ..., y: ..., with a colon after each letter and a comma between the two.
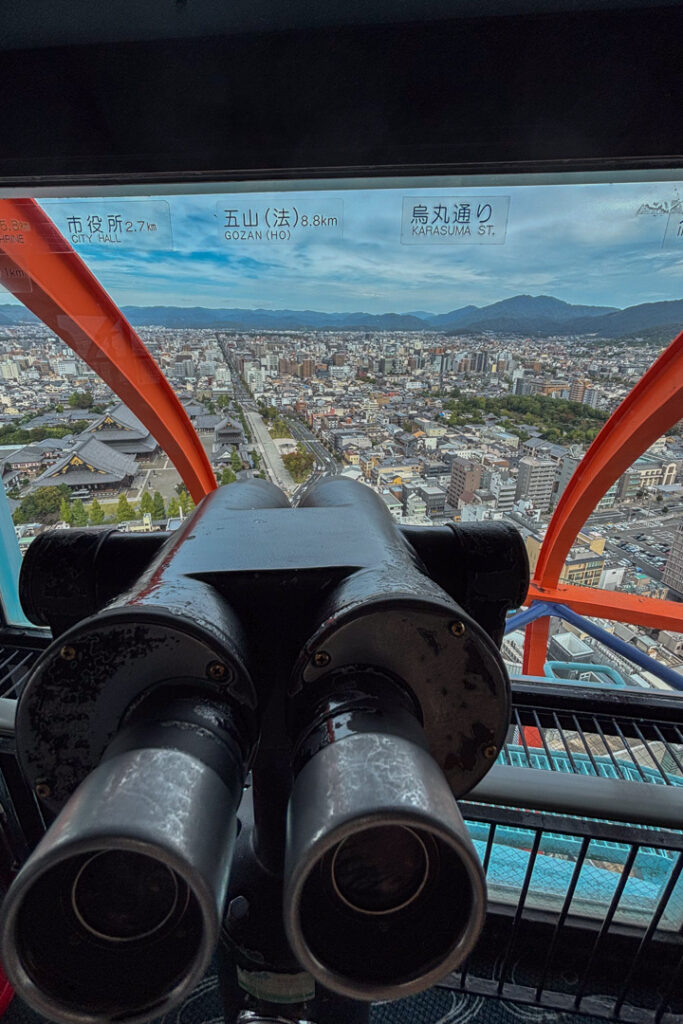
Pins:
x: 89, y: 462
x: 121, y: 427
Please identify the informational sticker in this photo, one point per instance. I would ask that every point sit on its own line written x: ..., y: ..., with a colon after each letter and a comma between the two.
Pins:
x: 13, y: 231
x: 673, y: 236
x: 268, y: 220
x: 449, y: 220
x: 277, y: 988
x: 133, y: 223
x: 13, y: 278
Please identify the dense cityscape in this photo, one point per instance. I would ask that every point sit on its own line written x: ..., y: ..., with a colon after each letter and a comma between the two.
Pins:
x: 445, y: 427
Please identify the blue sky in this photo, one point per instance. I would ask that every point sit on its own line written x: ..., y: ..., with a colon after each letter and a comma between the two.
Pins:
x: 581, y: 243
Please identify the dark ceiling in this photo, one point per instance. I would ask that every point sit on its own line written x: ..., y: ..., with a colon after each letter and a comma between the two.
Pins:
x: 124, y: 90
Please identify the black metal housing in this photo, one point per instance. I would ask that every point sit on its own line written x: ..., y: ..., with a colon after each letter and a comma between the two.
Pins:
x: 251, y: 608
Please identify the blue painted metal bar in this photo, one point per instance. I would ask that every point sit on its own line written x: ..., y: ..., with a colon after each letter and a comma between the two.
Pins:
x: 536, y: 610
x: 10, y: 563
x: 663, y: 672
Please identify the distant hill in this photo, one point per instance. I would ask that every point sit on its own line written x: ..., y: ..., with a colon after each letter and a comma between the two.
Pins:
x: 529, y: 309
x: 521, y: 314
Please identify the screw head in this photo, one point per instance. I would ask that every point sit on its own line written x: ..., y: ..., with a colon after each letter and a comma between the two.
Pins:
x: 43, y: 789
x: 67, y: 653
x: 491, y: 752
x: 217, y: 671
x: 457, y: 628
x: 321, y: 659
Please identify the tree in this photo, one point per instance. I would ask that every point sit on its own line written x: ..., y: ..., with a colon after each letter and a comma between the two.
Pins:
x: 43, y: 505
x: 96, y: 513
x: 222, y: 401
x: 79, y: 517
x: 146, y: 504
x: 59, y: 407
x: 81, y: 400
x: 186, y: 503
x: 173, y: 508
x: 124, y: 510
x: 227, y: 477
x: 65, y: 511
x: 235, y: 460
x: 158, y: 510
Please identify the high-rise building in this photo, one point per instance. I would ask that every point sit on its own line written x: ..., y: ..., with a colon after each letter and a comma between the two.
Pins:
x: 465, y: 476
x: 673, y: 570
x: 578, y: 390
x: 503, y: 488
x: 535, y: 481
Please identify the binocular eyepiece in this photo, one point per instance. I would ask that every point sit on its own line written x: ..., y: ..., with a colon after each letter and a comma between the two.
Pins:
x: 117, y: 912
x: 383, y: 697
x: 384, y: 893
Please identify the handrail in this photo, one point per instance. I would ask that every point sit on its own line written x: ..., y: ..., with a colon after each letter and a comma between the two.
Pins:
x: 583, y: 666
x: 46, y: 274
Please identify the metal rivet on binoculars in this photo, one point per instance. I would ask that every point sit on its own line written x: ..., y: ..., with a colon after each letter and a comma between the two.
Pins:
x: 68, y: 653
x: 216, y: 670
x: 43, y: 789
x: 321, y: 659
x: 491, y: 751
x: 458, y: 628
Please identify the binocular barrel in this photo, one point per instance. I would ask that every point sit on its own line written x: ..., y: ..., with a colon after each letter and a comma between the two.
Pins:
x: 117, y: 912
x: 384, y: 893
x: 380, y: 695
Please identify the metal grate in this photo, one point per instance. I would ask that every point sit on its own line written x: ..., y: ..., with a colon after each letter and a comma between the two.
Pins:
x: 583, y: 916
x: 15, y: 664
x: 638, y: 738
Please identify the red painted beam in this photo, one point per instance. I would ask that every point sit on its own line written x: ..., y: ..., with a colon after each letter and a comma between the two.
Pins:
x: 44, y: 272
x: 653, y: 406
x: 610, y: 604
x: 535, y: 647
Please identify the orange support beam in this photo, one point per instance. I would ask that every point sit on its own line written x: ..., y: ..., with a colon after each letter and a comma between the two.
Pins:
x: 44, y: 272
x: 653, y: 406
x: 535, y: 647
x: 610, y: 604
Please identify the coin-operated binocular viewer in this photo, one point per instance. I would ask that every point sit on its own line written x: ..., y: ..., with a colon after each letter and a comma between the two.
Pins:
x: 249, y: 736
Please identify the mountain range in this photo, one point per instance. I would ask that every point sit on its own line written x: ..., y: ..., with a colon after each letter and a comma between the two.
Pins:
x: 521, y: 314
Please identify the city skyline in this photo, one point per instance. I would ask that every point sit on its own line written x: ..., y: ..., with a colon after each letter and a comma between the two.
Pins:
x: 597, y: 244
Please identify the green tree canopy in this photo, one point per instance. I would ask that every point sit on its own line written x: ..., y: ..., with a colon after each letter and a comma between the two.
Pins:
x: 79, y: 517
x: 173, y: 508
x: 235, y: 460
x: 43, y: 506
x: 81, y: 400
x: 96, y: 513
x: 158, y: 510
x: 65, y: 511
x: 146, y: 503
x: 299, y: 463
x: 124, y: 510
x: 186, y: 503
x: 227, y: 476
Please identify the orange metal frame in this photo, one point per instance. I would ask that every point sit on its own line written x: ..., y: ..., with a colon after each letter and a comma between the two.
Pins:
x: 653, y: 406
x: 46, y: 274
